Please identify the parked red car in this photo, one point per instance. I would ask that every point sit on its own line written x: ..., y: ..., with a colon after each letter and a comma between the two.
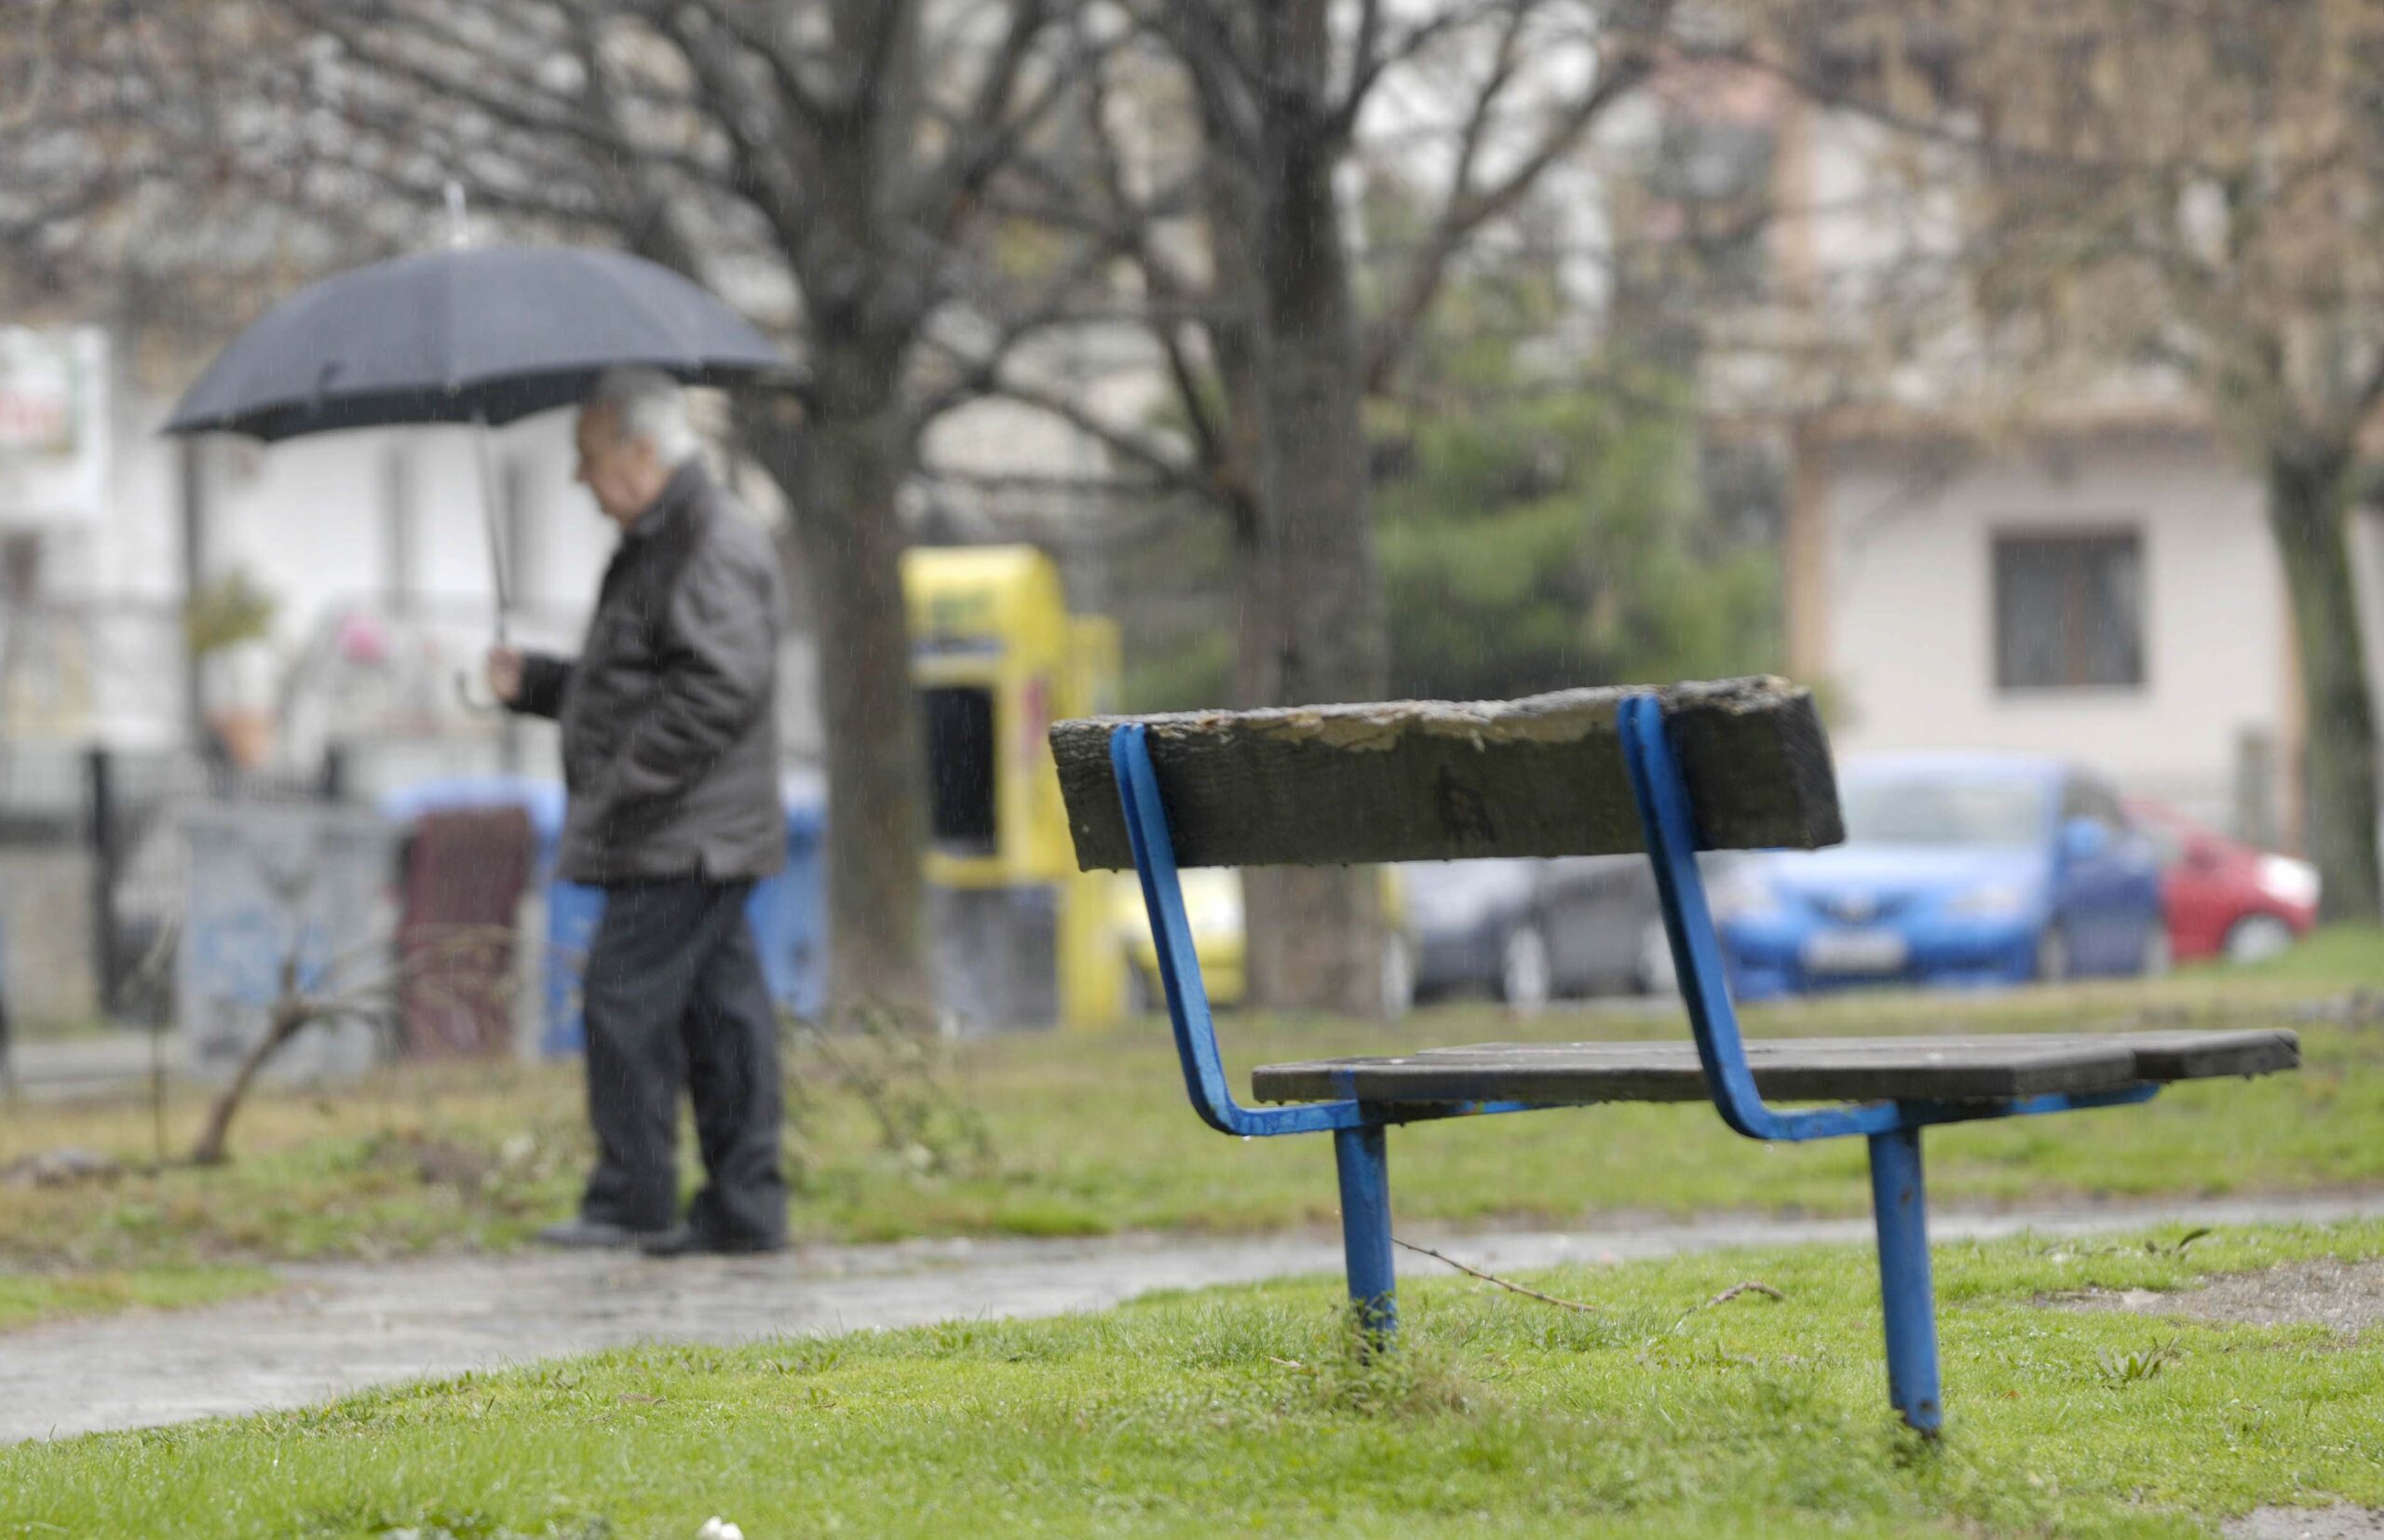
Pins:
x: 2223, y: 897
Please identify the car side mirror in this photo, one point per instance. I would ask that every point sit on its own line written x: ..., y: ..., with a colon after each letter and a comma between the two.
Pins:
x: 2083, y: 840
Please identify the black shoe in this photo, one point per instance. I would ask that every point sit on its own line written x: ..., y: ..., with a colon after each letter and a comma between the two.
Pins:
x: 595, y: 1235
x: 686, y: 1241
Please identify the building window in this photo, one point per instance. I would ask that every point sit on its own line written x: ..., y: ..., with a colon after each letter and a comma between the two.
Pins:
x: 2068, y: 611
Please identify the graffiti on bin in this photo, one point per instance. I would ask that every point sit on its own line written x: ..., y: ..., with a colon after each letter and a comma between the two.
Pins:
x: 238, y: 953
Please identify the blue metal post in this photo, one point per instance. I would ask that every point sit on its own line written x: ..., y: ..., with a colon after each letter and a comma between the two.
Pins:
x: 1669, y: 826
x: 1365, y: 1227
x: 1907, y: 1298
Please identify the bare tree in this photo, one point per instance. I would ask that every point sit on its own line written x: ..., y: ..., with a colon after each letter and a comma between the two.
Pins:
x: 828, y: 160
x: 822, y: 162
x: 1264, y: 333
x: 466, y: 966
x: 118, y: 131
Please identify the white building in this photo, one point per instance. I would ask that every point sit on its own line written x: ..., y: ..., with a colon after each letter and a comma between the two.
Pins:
x: 2100, y: 586
x: 1977, y: 560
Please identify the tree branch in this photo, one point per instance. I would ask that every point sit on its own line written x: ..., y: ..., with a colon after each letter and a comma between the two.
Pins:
x: 777, y: 196
x: 802, y: 104
x: 992, y: 127
x: 1225, y: 77
x: 511, y: 106
x: 1163, y: 467
x: 1373, y: 65
x: 1465, y: 207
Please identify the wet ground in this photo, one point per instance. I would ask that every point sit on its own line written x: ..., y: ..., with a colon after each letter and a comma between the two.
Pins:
x: 2345, y: 1296
x: 346, y: 1327
x: 95, y: 1064
x: 2340, y: 1522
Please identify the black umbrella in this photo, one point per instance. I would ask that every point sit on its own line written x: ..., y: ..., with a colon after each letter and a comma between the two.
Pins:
x: 472, y: 335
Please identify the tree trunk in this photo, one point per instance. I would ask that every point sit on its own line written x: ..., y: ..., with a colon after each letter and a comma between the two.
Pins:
x: 2310, y: 494
x: 288, y: 1018
x: 1230, y: 200
x: 1231, y: 205
x: 1314, y: 936
x: 841, y: 472
x: 1257, y: 589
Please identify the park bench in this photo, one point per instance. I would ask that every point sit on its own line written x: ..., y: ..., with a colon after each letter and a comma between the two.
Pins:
x: 1735, y: 765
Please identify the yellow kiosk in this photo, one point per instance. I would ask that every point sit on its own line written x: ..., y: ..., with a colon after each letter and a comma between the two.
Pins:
x: 1020, y: 937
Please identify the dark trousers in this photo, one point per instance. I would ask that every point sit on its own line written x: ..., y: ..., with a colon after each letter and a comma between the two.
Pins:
x: 674, y: 992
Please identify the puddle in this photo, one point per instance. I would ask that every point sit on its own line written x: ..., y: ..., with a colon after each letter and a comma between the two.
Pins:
x: 2346, y: 1296
x: 347, y: 1326
x: 2340, y: 1522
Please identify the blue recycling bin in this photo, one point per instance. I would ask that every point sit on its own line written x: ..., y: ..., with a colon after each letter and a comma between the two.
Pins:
x: 787, y: 912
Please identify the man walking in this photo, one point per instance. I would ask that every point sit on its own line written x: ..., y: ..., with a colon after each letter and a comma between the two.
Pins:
x: 669, y: 750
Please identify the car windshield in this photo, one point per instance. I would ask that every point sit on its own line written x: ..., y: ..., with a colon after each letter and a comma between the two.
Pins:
x: 1941, y: 809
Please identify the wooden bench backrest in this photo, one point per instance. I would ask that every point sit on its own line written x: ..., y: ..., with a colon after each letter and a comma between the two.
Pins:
x: 1439, y: 780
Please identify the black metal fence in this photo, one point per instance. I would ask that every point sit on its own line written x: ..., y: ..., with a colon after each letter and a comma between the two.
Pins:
x: 103, y: 824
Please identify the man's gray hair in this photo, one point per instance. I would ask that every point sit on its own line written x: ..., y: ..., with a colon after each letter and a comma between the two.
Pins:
x: 648, y: 404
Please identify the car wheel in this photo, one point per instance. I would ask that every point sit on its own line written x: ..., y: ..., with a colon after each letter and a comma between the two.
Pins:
x: 2052, y: 956
x: 1527, y: 977
x: 1656, y: 973
x: 1142, y: 999
x: 1398, y: 977
x: 2256, y: 938
x: 2155, y: 958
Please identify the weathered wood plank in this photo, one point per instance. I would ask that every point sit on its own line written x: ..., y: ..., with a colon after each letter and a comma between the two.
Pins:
x: 1437, y: 781
x: 2202, y: 1054
x: 1826, y: 1069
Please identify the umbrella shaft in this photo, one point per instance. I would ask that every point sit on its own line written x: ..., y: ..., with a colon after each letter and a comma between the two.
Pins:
x: 489, y: 516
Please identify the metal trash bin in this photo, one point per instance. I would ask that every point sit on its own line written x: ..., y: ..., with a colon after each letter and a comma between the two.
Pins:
x: 789, y: 912
x: 541, y: 800
x: 465, y: 869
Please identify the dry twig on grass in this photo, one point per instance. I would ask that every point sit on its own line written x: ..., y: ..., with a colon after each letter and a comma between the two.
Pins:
x: 1491, y: 1277
x: 1725, y: 1297
x: 366, y: 984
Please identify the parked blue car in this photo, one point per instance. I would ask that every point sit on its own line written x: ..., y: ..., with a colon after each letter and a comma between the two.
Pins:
x: 1956, y: 870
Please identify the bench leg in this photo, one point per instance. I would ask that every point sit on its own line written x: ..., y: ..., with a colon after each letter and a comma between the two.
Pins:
x: 1907, y: 1298
x: 1365, y: 1227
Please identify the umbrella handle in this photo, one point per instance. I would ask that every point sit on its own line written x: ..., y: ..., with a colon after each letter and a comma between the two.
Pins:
x: 474, y: 692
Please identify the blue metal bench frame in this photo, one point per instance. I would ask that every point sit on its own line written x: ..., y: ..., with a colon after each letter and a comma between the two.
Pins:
x: 1668, y: 827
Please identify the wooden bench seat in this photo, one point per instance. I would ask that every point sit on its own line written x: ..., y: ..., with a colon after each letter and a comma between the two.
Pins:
x: 1796, y: 1069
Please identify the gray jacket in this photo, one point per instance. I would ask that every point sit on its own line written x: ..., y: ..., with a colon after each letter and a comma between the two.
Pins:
x: 670, y: 719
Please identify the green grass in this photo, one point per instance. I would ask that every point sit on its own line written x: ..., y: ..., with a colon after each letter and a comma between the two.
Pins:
x: 1091, y: 1134
x: 2343, y: 955
x: 26, y: 1298
x: 60, y: 1029
x: 1242, y: 1412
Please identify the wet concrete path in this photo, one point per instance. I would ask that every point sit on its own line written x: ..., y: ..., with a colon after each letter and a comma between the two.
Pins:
x: 344, y: 1327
